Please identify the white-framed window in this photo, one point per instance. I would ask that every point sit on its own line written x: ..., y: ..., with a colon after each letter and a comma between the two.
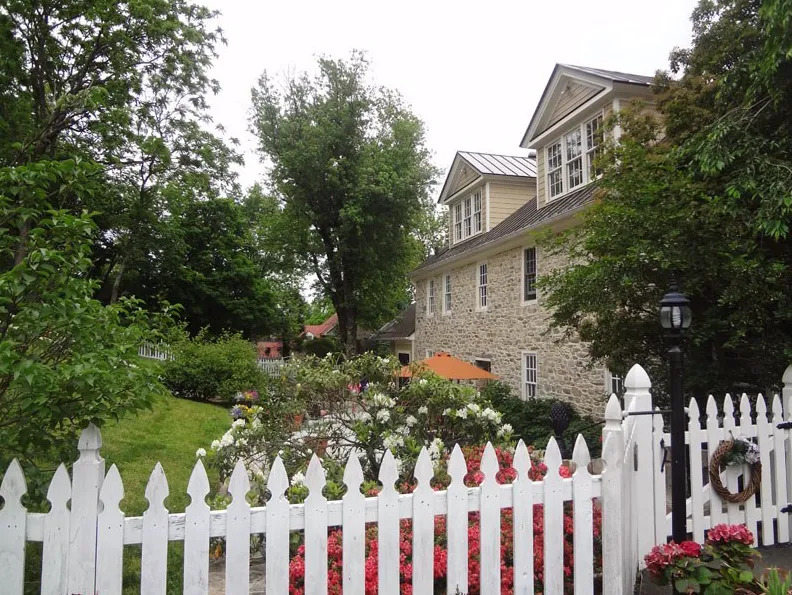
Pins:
x: 555, y: 174
x: 529, y: 274
x: 457, y: 222
x: 430, y: 297
x: 467, y: 222
x: 430, y: 352
x: 481, y: 282
x: 566, y: 168
x: 477, y: 212
x: 615, y: 383
x: 573, y: 143
x: 447, y: 294
x: 593, y: 141
x: 530, y: 375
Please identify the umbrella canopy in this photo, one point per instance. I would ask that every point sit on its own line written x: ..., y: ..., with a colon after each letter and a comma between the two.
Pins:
x: 447, y: 366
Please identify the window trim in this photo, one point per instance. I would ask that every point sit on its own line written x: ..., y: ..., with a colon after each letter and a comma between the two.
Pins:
x: 535, y: 299
x: 483, y: 359
x: 560, y: 139
x: 466, y: 220
x: 430, y: 298
x: 479, y: 306
x: 609, y: 378
x: 447, y: 296
x: 524, y: 374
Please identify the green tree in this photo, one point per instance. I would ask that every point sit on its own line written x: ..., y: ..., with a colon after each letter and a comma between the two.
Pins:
x: 65, y: 358
x: 702, y: 196
x: 350, y: 165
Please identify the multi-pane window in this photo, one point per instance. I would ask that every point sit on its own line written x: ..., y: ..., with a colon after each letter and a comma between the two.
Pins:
x: 431, y: 298
x: 529, y: 274
x: 477, y: 212
x: 458, y: 222
x: 482, y: 285
x: 570, y: 159
x: 467, y: 221
x: 555, y: 173
x: 574, y: 158
x: 529, y: 375
x: 447, y: 293
x: 593, y: 141
x: 615, y: 384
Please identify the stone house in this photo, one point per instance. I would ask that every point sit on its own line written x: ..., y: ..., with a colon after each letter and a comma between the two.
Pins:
x: 478, y: 299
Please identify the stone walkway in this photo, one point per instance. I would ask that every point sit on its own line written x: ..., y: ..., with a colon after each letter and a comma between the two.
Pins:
x: 217, y: 577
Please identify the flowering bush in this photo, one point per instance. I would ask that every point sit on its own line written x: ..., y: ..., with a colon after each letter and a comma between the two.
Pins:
x: 721, y: 566
x: 358, y: 406
x: 474, y: 477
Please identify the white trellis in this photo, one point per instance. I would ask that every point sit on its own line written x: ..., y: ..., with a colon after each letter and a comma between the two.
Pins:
x: 84, y: 544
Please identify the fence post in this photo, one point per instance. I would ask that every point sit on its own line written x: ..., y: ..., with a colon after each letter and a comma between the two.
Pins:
x: 637, y: 385
x: 87, y: 476
x: 786, y: 395
x: 613, y: 538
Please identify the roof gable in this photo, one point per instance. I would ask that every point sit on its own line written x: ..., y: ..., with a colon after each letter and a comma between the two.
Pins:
x: 569, y: 88
x: 468, y: 167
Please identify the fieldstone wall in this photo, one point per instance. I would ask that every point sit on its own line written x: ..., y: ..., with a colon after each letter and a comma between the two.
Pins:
x: 507, y: 329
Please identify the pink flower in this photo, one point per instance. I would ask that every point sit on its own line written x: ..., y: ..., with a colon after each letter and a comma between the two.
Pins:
x: 722, y: 534
x: 691, y: 549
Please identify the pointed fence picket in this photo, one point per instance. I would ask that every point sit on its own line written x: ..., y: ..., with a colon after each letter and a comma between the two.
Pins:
x: 630, y: 488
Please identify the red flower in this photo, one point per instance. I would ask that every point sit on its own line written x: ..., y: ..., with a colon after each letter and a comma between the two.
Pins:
x: 722, y: 534
x: 691, y: 549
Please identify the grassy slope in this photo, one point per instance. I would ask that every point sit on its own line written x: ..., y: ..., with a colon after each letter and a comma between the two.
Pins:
x: 170, y: 434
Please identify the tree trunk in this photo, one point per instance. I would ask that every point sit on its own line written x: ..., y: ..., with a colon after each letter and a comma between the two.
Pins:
x: 117, y: 282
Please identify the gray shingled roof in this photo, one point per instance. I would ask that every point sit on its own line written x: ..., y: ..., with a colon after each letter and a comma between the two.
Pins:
x: 400, y: 327
x: 526, y: 217
x: 501, y: 165
x: 615, y: 76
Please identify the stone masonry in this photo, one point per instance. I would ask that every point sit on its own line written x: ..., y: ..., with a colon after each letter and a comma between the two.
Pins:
x: 507, y: 329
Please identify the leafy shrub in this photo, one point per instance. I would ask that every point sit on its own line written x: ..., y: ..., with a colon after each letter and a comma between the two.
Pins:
x: 319, y: 346
x: 531, y: 419
x: 359, y: 405
x: 205, y: 368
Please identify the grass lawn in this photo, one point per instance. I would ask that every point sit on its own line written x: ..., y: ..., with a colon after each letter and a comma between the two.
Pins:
x: 170, y: 434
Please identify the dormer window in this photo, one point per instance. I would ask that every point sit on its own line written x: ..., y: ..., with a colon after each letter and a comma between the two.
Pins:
x: 565, y: 157
x: 467, y: 217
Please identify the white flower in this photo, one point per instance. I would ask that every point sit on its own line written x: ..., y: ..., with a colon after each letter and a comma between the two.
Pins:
x: 215, y: 445
x: 298, y: 479
x: 383, y: 415
x: 238, y: 423
x: 410, y: 421
x: 227, y: 439
x: 423, y: 410
x: 461, y: 413
x: 474, y: 407
x: 446, y: 412
x: 490, y: 414
x: 422, y: 381
x: 365, y: 417
x: 505, y: 430
x: 256, y: 423
x: 435, y: 448
x: 201, y: 452
x: 391, y: 441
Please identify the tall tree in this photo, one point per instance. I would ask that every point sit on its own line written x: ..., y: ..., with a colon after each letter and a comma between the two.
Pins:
x: 703, y: 195
x: 350, y: 164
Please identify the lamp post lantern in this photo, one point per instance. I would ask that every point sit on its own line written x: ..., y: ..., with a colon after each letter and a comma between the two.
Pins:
x: 675, y: 318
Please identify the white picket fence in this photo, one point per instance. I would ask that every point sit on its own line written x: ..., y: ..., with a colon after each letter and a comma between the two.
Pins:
x: 763, y: 513
x: 155, y: 351
x: 271, y: 365
x: 83, y: 547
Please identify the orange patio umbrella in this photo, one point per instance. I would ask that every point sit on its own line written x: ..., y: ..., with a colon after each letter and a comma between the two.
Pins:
x: 447, y: 366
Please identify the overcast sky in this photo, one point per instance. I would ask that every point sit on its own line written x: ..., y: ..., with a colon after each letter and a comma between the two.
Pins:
x: 473, y: 72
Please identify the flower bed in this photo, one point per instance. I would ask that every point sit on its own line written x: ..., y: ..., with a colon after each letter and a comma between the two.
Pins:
x: 506, y: 475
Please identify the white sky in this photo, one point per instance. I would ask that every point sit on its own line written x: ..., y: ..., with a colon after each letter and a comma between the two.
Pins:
x: 473, y: 72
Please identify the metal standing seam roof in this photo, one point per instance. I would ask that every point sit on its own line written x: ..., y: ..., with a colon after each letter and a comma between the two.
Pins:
x: 526, y: 217
x: 614, y: 75
x: 500, y: 165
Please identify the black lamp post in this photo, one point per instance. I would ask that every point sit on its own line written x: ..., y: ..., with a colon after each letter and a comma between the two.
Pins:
x: 559, y: 420
x: 675, y: 317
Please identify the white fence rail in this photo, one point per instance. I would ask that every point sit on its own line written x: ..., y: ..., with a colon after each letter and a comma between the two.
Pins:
x: 271, y: 365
